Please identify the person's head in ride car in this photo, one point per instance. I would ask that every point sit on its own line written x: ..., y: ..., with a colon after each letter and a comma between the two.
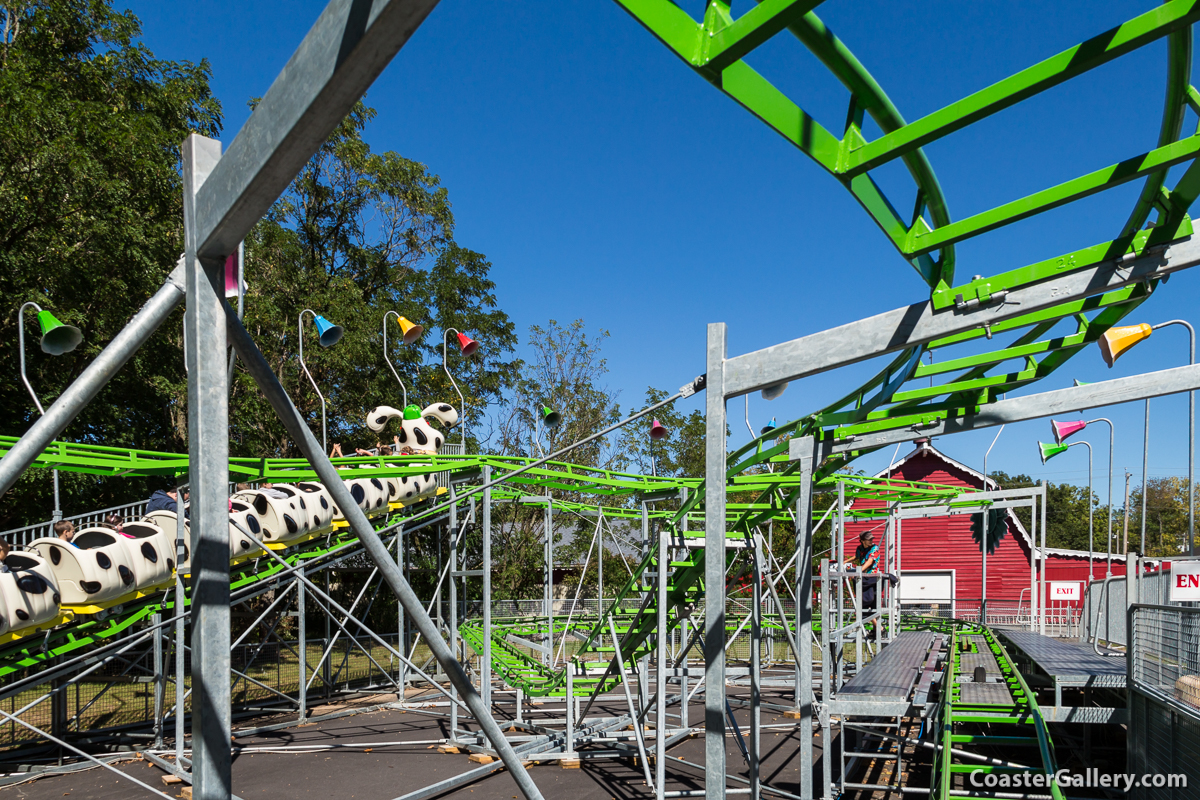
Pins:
x: 65, y: 529
x: 866, y: 539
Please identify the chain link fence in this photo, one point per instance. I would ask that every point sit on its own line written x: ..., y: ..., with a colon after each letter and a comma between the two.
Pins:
x: 1164, y: 673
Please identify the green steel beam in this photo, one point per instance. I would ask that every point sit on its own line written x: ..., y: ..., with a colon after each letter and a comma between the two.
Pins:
x: 1094, y: 52
x: 923, y: 240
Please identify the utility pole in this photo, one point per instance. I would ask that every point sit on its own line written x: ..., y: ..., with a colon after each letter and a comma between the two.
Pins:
x: 1125, y: 545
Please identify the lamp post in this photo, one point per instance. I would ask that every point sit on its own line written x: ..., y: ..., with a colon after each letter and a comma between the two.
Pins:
x: 1064, y: 429
x: 328, y: 335
x: 657, y: 431
x: 1113, y: 344
x: 409, y: 333
x: 1049, y: 451
x: 549, y: 419
x: 466, y: 346
x: 983, y: 536
x: 57, y: 339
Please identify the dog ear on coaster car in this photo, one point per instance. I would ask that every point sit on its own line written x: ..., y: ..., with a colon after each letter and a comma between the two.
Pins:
x: 378, y: 418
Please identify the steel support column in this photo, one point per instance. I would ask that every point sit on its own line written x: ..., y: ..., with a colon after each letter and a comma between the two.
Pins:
x: 257, y: 366
x: 485, y: 668
x: 714, y: 566
x: 662, y: 569
x: 208, y: 476
x: 804, y: 609
x: 302, y: 636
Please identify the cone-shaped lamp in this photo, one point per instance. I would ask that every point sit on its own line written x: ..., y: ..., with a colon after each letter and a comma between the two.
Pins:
x: 466, y: 344
x: 57, y: 338
x: 770, y: 426
x: 657, y: 430
x: 550, y: 417
x: 1064, y: 429
x: 1116, y: 341
x: 410, y: 331
x: 327, y: 333
x: 1049, y: 451
x: 771, y: 392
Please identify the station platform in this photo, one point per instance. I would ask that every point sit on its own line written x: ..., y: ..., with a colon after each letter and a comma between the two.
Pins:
x: 1067, y: 663
x: 1059, y: 665
x: 893, y: 681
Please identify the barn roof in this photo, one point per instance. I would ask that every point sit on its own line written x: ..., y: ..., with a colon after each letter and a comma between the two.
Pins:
x: 925, y: 448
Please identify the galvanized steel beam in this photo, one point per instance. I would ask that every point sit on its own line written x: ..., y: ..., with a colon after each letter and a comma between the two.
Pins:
x: 208, y: 473
x: 342, y: 54
x: 921, y: 323
x: 1034, y: 406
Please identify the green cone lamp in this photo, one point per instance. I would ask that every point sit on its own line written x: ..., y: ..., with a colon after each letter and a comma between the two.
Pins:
x: 1049, y: 451
x: 550, y: 417
x: 57, y: 338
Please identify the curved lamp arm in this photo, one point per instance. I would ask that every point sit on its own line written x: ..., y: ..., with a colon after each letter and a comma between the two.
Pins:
x: 1191, y: 435
x: 462, y: 403
x: 388, y: 361
x: 21, y: 345
x: 303, y: 366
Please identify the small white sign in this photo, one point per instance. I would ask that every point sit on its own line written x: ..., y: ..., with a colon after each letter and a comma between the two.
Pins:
x: 1064, y: 590
x: 1185, y: 581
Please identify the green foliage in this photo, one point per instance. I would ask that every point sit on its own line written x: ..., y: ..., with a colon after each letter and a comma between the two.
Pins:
x: 1166, y: 516
x: 356, y: 235
x: 565, y: 372
x: 91, y: 223
x: 679, y: 453
x: 1066, y: 512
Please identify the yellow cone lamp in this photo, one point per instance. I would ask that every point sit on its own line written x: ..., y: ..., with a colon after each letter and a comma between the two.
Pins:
x: 1116, y: 341
x: 410, y: 331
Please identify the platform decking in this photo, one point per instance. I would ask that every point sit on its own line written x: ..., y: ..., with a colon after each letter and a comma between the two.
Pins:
x: 1067, y: 663
x: 885, y: 683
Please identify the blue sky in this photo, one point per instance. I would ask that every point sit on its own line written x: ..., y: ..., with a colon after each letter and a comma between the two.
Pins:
x: 606, y: 181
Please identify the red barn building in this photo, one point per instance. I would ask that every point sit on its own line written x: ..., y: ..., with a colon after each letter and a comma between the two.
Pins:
x: 941, y: 562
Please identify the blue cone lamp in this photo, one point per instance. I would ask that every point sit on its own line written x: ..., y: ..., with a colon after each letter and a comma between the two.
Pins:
x: 327, y: 333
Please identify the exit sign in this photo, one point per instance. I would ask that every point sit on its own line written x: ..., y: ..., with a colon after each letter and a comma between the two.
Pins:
x: 1185, y: 581
x: 1064, y: 590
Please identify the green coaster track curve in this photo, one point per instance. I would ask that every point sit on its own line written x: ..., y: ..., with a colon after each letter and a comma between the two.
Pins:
x: 716, y: 47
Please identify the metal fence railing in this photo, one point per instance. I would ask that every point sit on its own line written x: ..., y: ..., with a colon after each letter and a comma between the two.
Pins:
x: 1164, y: 697
x: 1165, y: 652
x: 21, y: 537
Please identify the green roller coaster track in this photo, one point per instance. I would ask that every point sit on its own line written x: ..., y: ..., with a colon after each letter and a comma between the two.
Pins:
x: 763, y: 482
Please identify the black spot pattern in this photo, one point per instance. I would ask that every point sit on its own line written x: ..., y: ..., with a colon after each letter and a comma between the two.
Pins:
x: 422, y: 439
x: 403, y: 436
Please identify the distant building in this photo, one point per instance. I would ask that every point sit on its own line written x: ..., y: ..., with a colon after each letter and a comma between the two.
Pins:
x: 941, y: 563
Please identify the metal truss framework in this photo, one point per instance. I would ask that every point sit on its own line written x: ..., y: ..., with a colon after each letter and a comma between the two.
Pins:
x: 1088, y: 290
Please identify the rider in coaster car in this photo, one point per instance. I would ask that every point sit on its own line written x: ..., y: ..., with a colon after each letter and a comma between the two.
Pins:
x: 166, y: 500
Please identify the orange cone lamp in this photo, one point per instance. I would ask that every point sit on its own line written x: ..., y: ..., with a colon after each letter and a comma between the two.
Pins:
x: 1116, y: 341
x: 409, y: 331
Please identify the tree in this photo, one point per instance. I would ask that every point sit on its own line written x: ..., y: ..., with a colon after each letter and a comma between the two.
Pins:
x: 356, y: 235
x: 1166, y: 516
x: 1066, y: 513
x: 680, y: 453
x: 565, y: 372
x: 91, y: 223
